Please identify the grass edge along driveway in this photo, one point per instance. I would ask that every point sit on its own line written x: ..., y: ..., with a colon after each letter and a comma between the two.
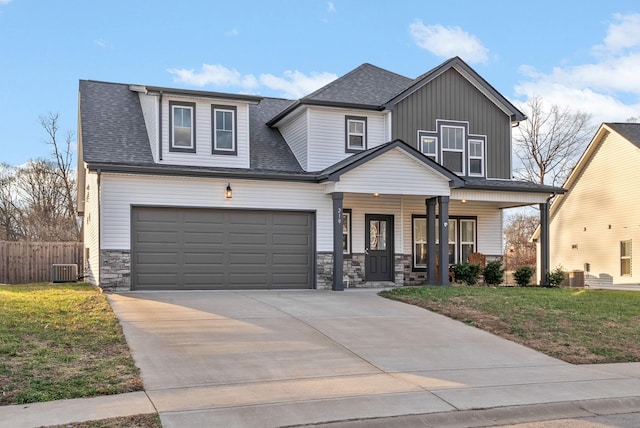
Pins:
x: 579, y: 326
x: 61, y: 341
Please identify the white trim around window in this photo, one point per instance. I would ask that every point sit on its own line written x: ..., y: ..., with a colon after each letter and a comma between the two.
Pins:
x: 182, y: 129
x: 452, y: 142
x: 223, y: 130
x: 355, y: 134
x: 429, y: 146
x: 476, y: 157
x: 346, y: 232
x: 462, y: 239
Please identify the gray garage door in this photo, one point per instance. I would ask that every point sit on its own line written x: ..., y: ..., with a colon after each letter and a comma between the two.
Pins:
x: 194, y: 249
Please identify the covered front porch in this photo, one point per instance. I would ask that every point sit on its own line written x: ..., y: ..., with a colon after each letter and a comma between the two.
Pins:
x: 392, y: 204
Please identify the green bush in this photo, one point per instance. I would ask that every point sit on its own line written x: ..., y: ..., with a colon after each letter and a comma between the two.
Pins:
x: 523, y: 275
x: 555, y: 277
x: 467, y: 273
x: 493, y: 273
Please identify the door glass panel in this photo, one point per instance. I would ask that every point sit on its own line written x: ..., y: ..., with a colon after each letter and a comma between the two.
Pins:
x: 377, y: 235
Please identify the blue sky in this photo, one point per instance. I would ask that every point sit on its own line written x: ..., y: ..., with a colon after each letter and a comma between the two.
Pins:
x: 583, y: 55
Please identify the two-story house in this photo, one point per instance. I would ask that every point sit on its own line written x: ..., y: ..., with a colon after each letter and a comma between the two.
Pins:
x: 353, y: 185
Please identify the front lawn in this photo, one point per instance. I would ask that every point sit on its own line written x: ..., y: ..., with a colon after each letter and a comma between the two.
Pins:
x: 61, y: 341
x: 579, y: 326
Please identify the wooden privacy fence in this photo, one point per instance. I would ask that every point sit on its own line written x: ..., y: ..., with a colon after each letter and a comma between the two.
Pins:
x: 24, y: 262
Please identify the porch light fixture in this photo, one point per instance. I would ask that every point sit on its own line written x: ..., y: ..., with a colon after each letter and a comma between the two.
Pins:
x: 375, y: 195
x: 228, y: 193
x: 464, y: 201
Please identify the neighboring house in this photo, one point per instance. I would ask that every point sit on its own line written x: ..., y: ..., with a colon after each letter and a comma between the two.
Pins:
x: 349, y: 186
x: 595, y: 225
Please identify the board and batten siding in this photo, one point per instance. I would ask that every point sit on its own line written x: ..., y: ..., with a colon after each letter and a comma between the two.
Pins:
x: 204, y: 141
x: 91, y: 229
x: 450, y: 96
x: 598, y: 212
x: 326, y: 135
x: 120, y: 192
x: 295, y: 133
x: 149, y: 105
x: 394, y: 172
x: 488, y: 224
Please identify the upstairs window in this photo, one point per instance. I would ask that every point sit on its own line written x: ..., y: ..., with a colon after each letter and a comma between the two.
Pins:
x: 182, y: 132
x: 453, y: 148
x: 428, y: 146
x: 223, y: 120
x: 355, y: 134
x: 476, y: 157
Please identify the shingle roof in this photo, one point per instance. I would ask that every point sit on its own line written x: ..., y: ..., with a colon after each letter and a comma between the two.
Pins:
x: 269, y: 150
x: 509, y: 185
x: 367, y: 85
x: 630, y: 131
x: 113, y: 129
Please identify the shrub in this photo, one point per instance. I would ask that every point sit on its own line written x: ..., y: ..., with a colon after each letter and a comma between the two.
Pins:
x: 493, y: 273
x: 467, y: 273
x: 555, y: 277
x: 523, y: 275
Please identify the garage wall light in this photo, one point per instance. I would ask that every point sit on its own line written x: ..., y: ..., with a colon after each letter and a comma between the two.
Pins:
x: 228, y: 193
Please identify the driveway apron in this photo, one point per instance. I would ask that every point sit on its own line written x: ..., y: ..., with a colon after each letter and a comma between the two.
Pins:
x: 282, y: 358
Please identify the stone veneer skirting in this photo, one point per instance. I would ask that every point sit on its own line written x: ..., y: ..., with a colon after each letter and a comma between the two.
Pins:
x: 115, y: 270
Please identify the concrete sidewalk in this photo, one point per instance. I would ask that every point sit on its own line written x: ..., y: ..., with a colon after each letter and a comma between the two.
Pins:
x: 286, y: 358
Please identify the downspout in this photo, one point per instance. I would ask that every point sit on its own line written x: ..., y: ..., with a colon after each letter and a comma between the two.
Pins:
x: 99, y: 196
x: 160, y: 126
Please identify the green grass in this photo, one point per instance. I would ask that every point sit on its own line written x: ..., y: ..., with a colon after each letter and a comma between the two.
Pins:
x: 61, y: 341
x: 576, y: 325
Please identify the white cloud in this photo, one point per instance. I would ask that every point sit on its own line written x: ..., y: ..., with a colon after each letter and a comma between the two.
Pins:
x: 5, y: 1
x: 294, y: 84
x: 447, y: 42
x: 608, y: 87
x: 232, y: 33
x: 100, y: 42
x: 331, y: 7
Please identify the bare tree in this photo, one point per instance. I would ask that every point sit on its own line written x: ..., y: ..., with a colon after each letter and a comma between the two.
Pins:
x: 10, y: 211
x: 551, y: 141
x: 518, y: 250
x: 63, y: 157
x: 43, y: 200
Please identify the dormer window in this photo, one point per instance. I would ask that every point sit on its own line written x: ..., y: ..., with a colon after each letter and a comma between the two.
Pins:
x: 182, y: 130
x: 223, y: 120
x: 356, y: 134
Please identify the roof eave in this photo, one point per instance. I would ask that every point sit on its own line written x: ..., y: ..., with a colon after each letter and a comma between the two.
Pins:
x: 320, y: 103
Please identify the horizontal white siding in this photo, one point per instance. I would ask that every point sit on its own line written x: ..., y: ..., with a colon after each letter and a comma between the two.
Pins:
x: 295, y: 133
x: 149, y: 106
x: 602, y: 209
x: 119, y: 192
x: 367, y: 204
x: 91, y: 229
x: 409, y: 177
x: 204, y: 141
x: 326, y: 143
x: 489, y: 222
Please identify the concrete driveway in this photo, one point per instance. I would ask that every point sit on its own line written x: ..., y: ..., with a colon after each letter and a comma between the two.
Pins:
x: 281, y: 358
